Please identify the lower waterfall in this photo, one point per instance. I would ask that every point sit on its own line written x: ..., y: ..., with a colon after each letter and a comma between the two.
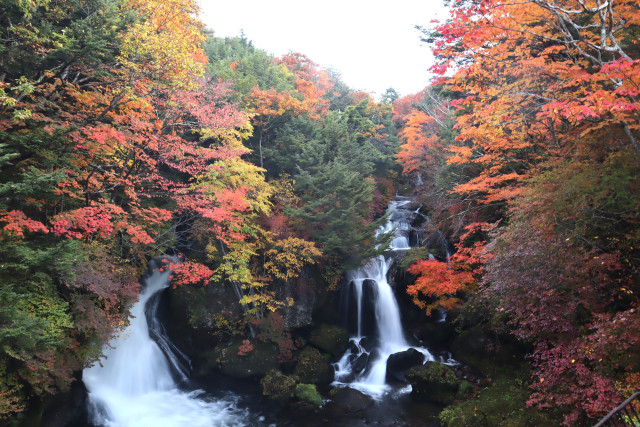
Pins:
x: 377, y: 331
x: 134, y: 383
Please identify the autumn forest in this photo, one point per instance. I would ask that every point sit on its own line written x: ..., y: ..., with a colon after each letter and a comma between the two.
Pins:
x: 129, y: 131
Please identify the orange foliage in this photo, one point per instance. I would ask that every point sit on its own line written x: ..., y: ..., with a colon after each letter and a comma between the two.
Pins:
x: 442, y: 283
x: 533, y: 88
x: 421, y: 142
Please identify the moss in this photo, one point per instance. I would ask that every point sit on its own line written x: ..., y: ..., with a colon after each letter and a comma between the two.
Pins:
x: 277, y: 386
x: 331, y: 339
x: 313, y: 367
x: 433, y: 382
x: 502, y: 404
x: 465, y: 388
x: 308, y: 393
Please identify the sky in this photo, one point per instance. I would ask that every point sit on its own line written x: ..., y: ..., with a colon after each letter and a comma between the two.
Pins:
x: 373, y: 44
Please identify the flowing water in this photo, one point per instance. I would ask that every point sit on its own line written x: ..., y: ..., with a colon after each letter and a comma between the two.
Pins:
x: 378, y: 329
x: 134, y: 384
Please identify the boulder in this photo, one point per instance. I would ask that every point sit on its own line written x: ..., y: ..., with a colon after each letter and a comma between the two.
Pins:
x: 313, y: 367
x: 369, y: 343
x: 360, y: 363
x: 278, y: 387
x: 433, y: 382
x: 397, y: 363
x: 308, y: 393
x: 351, y: 399
x: 330, y: 339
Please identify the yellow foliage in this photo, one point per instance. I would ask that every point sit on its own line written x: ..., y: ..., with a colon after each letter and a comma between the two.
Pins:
x: 288, y: 257
x: 164, y: 44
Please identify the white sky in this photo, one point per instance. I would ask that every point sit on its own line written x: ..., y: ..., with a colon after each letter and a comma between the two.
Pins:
x: 373, y: 44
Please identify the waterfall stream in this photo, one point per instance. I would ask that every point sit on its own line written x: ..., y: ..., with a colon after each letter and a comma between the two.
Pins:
x: 364, y: 365
x: 134, y: 384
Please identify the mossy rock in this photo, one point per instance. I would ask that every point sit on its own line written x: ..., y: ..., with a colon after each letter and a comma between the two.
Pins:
x: 503, y: 404
x: 313, y: 367
x: 278, y: 387
x: 330, y: 339
x: 308, y: 393
x: 434, y: 382
x: 254, y: 364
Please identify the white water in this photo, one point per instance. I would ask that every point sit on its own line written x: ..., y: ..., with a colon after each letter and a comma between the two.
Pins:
x: 133, y: 384
x: 387, y: 314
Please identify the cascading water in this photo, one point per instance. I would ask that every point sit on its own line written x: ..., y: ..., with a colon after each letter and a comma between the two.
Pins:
x: 364, y: 365
x: 134, y: 384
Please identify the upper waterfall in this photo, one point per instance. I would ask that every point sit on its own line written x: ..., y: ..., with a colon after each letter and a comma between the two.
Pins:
x: 364, y: 365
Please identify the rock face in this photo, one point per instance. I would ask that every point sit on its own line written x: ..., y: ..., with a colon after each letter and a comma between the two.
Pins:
x: 254, y: 364
x: 397, y: 363
x: 434, y: 382
x: 299, y: 314
x: 193, y: 312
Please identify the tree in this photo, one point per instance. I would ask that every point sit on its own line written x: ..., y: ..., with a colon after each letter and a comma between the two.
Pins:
x: 545, y: 109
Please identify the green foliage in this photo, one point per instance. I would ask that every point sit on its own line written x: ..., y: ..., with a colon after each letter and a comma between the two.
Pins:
x: 237, y: 60
x: 413, y: 255
x: 337, y: 190
x: 504, y: 403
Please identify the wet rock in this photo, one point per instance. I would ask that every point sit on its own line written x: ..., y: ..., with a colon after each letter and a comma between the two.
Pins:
x: 66, y: 409
x: 369, y: 343
x: 369, y: 321
x: 351, y: 400
x: 434, y: 382
x: 360, y: 363
x: 353, y: 347
x: 331, y: 339
x: 397, y: 363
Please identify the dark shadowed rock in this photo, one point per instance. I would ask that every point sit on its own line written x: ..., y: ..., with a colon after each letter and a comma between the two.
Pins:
x: 369, y: 343
x: 397, y: 363
x: 351, y: 400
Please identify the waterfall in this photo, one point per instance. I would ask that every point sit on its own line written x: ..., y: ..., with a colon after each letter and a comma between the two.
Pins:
x: 134, y: 385
x: 364, y: 365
